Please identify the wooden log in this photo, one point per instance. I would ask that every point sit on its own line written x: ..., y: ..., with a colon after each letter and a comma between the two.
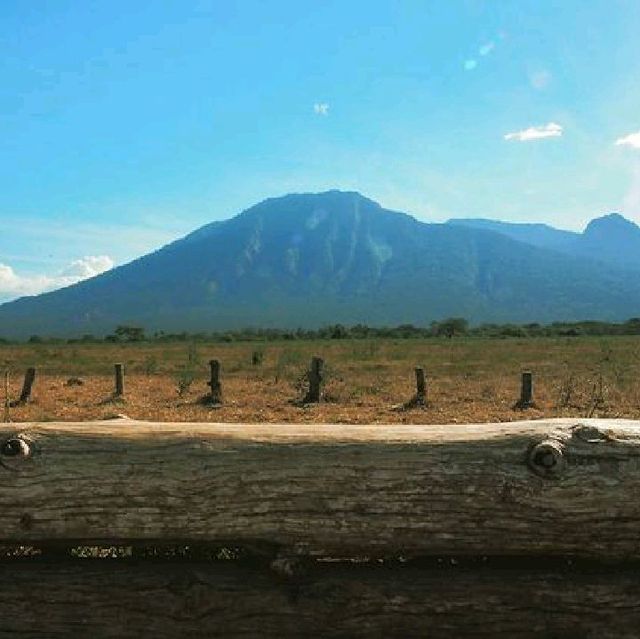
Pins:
x: 553, y: 487
x: 315, y: 376
x: 119, y: 381
x: 163, y: 600
x: 215, y: 394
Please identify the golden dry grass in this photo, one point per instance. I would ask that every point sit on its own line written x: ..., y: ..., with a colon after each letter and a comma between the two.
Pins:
x: 469, y: 380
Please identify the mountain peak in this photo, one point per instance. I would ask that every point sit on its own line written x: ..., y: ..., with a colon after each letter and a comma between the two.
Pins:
x: 294, y: 206
x: 333, y: 196
x: 612, y: 222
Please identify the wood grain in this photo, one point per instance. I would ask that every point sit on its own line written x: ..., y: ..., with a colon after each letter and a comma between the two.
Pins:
x: 331, y: 490
x: 118, y: 599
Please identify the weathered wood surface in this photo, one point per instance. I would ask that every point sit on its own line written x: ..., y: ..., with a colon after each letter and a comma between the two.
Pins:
x: 551, y: 487
x: 115, y: 599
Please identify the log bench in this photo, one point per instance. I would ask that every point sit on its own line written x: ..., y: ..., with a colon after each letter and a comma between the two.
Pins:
x: 124, y: 528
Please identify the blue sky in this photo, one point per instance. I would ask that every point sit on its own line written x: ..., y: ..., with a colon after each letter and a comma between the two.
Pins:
x: 127, y: 124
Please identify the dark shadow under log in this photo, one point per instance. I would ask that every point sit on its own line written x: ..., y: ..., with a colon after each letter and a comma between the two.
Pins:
x: 102, y: 598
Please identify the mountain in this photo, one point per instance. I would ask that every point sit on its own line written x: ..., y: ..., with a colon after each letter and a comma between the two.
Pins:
x: 313, y: 259
x: 611, y: 238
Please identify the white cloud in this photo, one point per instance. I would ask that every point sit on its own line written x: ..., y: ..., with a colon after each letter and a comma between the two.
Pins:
x: 14, y: 285
x: 551, y: 130
x: 88, y: 266
x: 632, y: 140
x: 321, y: 108
x: 470, y: 65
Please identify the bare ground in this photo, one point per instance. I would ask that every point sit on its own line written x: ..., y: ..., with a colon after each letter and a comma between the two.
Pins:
x: 468, y: 381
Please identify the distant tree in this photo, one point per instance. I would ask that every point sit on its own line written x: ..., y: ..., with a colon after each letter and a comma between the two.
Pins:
x: 129, y: 333
x: 338, y: 331
x: 360, y: 330
x: 35, y: 339
x: 452, y: 326
x: 632, y: 326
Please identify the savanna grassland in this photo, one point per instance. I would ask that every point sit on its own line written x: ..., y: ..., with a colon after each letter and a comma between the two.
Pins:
x: 367, y: 381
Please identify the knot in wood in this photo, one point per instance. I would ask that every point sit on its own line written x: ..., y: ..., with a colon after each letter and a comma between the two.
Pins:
x: 15, y: 447
x: 591, y: 434
x: 547, y: 459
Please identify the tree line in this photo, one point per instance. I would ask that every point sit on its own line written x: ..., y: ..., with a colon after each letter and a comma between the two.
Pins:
x: 449, y: 328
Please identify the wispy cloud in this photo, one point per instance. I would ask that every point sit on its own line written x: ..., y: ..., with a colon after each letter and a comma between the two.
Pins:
x: 632, y: 140
x: 321, y: 108
x: 14, y: 285
x: 551, y: 130
x: 484, y: 50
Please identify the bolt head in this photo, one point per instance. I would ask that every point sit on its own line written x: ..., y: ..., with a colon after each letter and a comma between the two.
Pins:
x: 15, y: 447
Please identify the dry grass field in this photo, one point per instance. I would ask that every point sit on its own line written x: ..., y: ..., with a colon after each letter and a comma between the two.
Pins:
x: 468, y: 379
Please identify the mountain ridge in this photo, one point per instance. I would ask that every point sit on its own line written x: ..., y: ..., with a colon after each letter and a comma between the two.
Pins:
x: 304, y: 260
x: 610, y: 238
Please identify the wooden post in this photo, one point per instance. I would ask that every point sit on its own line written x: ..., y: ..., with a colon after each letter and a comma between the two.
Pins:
x: 526, y: 391
x: 7, y: 401
x: 315, y: 380
x: 215, y: 396
x: 119, y: 371
x: 421, y: 387
x: 27, y: 386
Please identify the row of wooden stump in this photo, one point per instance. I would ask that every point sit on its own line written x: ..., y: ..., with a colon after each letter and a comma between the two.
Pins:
x: 315, y: 377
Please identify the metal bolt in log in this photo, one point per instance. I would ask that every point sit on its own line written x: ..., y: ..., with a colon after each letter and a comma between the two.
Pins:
x: 27, y: 387
x: 119, y: 380
x: 315, y: 376
x: 15, y: 447
x: 526, y: 392
x: 215, y: 396
x: 547, y: 459
x: 14, y: 451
